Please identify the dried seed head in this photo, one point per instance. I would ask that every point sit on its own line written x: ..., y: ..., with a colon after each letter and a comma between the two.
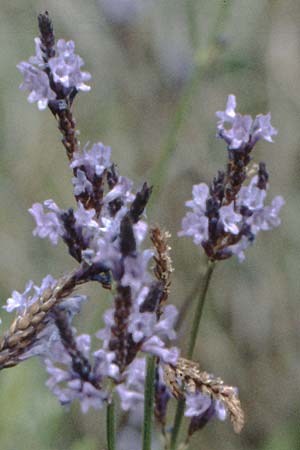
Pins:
x: 186, y: 377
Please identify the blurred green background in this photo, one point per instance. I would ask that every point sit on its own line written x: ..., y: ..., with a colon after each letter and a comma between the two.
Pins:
x: 160, y: 71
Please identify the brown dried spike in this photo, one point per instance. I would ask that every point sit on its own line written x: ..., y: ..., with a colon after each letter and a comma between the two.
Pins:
x: 186, y: 376
x: 163, y: 263
x: 24, y: 329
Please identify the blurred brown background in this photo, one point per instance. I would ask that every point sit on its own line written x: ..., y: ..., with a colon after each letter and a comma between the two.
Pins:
x: 157, y: 64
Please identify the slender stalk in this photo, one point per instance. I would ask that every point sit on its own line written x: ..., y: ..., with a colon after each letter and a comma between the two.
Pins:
x: 149, y: 400
x: 111, y: 425
x: 193, y: 338
x: 177, y: 423
x: 199, y: 308
x: 187, y: 303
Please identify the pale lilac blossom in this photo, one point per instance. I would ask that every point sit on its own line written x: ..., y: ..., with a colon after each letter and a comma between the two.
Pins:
x: 195, y: 225
x: 48, y: 224
x: 65, y: 67
x: 95, y: 160
x: 238, y: 130
x: 31, y: 293
x: 141, y: 325
x: 68, y: 385
x: 17, y: 300
x: 251, y: 196
x: 37, y: 83
x: 38, y: 58
x: 200, y: 196
x: 81, y: 183
x: 262, y: 128
x: 199, y: 405
x: 155, y: 346
x: 85, y: 217
x: 196, y: 403
x: 229, y: 218
x: 131, y: 391
x: 165, y: 327
x: 104, y: 364
x: 136, y: 270
x: 121, y: 190
x: 268, y: 217
x: 239, y: 248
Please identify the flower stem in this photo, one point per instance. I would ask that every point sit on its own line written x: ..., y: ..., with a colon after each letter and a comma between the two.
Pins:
x: 177, y: 423
x: 149, y: 400
x: 193, y: 338
x: 111, y: 425
x: 199, y: 308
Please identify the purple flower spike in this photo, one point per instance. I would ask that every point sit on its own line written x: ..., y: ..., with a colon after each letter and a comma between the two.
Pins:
x: 227, y: 215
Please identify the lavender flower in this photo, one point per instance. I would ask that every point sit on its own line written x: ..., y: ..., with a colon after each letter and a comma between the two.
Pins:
x: 201, y: 405
x: 65, y: 67
x: 244, y: 130
x: 68, y: 386
x: 229, y: 218
x: 81, y: 183
x: 44, y: 77
x: 37, y: 83
x: 31, y: 293
x: 94, y: 160
x: 47, y: 224
x: 18, y: 301
x: 131, y: 392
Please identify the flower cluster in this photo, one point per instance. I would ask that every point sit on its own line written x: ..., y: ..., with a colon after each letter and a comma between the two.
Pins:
x: 107, y: 243
x: 105, y: 234
x: 54, y: 76
x: 227, y: 215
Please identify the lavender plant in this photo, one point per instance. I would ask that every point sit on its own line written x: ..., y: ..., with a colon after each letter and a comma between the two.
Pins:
x: 135, y: 359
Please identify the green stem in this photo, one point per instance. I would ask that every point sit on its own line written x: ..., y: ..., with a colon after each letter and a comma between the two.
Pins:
x: 111, y: 425
x: 177, y: 423
x: 187, y: 303
x: 199, y: 308
x: 193, y: 338
x: 149, y: 400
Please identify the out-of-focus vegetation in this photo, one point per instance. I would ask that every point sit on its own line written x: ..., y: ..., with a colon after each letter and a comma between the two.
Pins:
x: 142, y: 58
